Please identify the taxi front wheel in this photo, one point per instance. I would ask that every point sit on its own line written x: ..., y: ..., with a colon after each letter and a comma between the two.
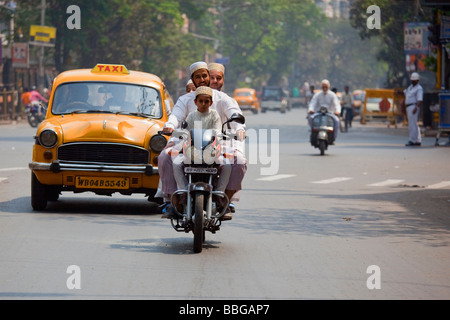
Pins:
x: 38, y: 194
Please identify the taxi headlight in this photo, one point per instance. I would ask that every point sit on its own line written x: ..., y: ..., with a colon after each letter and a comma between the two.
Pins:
x: 158, y: 143
x: 48, y: 138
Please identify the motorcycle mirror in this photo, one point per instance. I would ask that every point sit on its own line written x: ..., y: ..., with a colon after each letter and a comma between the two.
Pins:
x: 237, y: 117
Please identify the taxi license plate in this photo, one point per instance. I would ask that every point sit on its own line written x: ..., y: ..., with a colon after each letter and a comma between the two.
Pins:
x: 102, y: 183
x: 200, y: 170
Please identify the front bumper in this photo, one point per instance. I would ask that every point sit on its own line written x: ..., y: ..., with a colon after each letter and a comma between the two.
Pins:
x: 57, y: 166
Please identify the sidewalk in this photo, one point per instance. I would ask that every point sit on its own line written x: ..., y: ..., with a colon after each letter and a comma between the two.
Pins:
x: 12, y: 122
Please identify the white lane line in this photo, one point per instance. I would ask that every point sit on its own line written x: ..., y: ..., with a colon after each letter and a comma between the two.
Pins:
x: 387, y: 182
x: 333, y: 180
x: 13, y: 169
x: 439, y: 185
x: 276, y: 177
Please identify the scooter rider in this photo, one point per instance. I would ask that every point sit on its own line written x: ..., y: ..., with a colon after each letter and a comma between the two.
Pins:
x: 222, y: 103
x: 327, y: 98
x: 35, y: 98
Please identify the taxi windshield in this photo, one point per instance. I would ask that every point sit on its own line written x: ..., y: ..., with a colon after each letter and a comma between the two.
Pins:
x: 104, y: 97
x: 243, y: 94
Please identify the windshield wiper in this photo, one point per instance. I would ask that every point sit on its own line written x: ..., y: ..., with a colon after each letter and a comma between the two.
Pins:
x: 87, y: 111
x: 137, y: 114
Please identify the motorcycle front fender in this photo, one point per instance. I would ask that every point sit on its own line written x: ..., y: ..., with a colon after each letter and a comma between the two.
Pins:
x: 200, y: 187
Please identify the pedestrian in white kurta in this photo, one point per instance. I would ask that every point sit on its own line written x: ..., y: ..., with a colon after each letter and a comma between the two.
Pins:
x: 413, y: 102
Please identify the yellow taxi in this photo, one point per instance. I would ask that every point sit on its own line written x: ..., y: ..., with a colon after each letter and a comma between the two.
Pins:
x: 100, y: 134
x: 247, y: 99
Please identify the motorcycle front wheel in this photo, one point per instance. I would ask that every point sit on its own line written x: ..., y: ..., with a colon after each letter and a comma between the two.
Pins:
x: 199, y: 234
x: 322, y: 147
x: 33, y: 120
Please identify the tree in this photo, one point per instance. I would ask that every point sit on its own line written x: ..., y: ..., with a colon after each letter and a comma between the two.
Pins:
x: 144, y: 35
x: 394, y: 13
x: 261, y: 37
x: 341, y: 57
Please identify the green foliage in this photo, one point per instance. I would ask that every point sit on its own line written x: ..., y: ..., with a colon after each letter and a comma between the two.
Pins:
x: 261, y: 37
x: 267, y: 41
x: 341, y: 57
x: 144, y: 35
x: 394, y: 13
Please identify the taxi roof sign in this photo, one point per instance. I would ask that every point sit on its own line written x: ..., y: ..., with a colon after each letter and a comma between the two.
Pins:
x: 110, y: 69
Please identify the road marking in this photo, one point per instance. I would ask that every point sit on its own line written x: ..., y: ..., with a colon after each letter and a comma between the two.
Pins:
x: 3, y: 179
x: 13, y: 169
x: 276, y: 177
x: 333, y: 180
x: 384, y: 183
x: 439, y: 185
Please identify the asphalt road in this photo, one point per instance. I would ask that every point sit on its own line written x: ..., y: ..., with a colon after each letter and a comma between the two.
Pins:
x: 369, y: 220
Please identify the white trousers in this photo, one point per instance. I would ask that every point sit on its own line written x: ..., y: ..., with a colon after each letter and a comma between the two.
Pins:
x: 182, y: 182
x: 414, y: 130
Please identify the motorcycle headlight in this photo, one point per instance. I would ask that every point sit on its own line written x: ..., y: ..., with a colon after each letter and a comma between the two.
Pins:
x: 48, y: 138
x: 194, y: 155
x: 210, y: 154
x: 158, y: 143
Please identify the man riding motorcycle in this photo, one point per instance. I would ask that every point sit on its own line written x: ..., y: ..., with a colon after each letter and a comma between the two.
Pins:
x: 222, y: 103
x: 327, y: 98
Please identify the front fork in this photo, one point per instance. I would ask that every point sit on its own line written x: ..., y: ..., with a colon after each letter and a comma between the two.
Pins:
x: 191, y: 189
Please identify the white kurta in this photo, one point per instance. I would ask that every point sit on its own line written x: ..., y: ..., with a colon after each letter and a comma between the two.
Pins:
x: 329, y: 99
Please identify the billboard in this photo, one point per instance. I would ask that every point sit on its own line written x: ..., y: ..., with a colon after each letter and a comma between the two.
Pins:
x: 42, y: 36
x: 20, y: 55
x: 416, y: 37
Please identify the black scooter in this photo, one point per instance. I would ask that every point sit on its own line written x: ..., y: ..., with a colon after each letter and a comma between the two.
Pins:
x: 322, y: 131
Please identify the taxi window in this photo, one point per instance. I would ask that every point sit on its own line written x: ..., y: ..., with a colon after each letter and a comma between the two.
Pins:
x: 92, y: 97
x: 243, y: 94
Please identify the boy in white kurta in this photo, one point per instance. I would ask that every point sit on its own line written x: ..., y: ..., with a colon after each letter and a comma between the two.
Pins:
x: 208, y: 119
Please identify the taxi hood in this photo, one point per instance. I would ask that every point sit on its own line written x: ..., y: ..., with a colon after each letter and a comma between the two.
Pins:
x: 105, y: 128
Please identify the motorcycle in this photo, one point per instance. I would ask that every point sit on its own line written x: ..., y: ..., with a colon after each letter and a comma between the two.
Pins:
x: 204, y: 207
x: 322, y: 131
x: 35, y: 113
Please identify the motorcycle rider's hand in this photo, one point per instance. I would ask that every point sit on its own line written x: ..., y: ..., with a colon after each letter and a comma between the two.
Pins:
x: 241, y: 135
x: 170, y: 144
x: 167, y: 130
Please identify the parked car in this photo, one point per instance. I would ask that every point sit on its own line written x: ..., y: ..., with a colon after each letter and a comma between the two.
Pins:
x: 274, y: 98
x: 247, y: 99
x: 100, y: 134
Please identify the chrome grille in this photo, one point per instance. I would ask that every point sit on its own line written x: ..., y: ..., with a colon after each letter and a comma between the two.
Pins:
x: 103, y: 153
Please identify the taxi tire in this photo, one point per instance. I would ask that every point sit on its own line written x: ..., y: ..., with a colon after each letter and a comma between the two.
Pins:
x: 38, y: 194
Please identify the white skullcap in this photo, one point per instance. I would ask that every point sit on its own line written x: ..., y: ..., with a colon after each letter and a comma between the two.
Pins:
x: 415, y: 76
x: 217, y: 67
x: 204, y: 90
x: 325, y: 81
x: 197, y: 66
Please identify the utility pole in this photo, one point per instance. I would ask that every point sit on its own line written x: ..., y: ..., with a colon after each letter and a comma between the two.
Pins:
x: 42, y: 55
